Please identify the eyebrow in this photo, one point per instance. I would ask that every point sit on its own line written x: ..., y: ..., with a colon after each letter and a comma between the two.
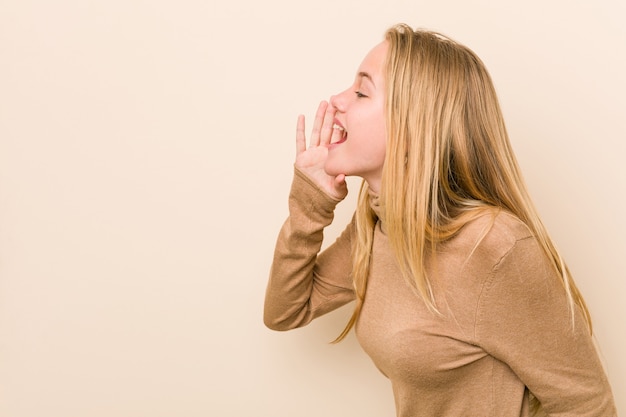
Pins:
x: 363, y: 74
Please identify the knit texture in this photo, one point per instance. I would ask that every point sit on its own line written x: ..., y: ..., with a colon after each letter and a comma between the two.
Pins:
x: 504, y: 327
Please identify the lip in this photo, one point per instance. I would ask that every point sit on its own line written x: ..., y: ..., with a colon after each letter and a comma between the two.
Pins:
x: 344, y: 134
x: 338, y: 123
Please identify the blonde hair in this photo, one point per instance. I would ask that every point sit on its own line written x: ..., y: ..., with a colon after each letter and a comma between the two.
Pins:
x: 448, y: 160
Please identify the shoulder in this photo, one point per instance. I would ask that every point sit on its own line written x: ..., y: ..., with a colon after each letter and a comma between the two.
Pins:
x: 489, y: 237
x: 508, y: 259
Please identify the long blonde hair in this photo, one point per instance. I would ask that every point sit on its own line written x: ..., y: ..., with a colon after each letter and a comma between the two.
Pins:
x: 448, y: 160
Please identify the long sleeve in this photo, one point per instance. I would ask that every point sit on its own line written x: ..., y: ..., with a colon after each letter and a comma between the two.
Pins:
x: 302, y: 284
x: 524, y: 321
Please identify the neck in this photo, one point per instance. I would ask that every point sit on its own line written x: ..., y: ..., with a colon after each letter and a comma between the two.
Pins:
x: 373, y: 184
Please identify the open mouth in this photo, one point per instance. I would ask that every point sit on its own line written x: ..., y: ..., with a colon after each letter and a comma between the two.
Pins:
x: 339, y: 134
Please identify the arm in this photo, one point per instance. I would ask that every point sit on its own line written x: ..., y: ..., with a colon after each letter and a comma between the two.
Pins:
x: 303, y: 285
x: 524, y: 320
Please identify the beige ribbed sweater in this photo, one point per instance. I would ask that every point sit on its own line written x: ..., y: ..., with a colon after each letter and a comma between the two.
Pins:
x: 505, y: 326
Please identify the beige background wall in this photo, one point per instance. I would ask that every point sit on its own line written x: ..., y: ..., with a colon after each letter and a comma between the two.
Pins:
x: 145, y: 158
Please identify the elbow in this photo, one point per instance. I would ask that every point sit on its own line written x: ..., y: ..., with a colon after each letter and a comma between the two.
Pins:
x: 280, y: 320
x: 272, y: 322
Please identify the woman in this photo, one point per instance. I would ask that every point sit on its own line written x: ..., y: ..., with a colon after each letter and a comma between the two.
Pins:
x: 461, y: 297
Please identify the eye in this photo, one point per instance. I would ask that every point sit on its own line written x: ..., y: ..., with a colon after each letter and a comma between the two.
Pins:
x: 359, y: 94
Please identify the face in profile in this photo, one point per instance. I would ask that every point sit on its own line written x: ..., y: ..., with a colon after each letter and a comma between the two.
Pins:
x: 360, y: 149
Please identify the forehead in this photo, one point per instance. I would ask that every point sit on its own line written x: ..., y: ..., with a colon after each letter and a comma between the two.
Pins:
x: 374, y: 61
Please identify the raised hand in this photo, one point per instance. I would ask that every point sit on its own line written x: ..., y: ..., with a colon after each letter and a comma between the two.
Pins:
x: 311, y: 160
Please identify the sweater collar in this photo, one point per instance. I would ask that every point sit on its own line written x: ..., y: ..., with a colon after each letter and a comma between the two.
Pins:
x: 374, y: 200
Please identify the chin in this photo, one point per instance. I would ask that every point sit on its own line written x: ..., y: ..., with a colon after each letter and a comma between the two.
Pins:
x: 332, y: 170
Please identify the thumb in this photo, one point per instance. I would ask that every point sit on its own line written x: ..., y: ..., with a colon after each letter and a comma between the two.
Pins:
x: 339, y: 183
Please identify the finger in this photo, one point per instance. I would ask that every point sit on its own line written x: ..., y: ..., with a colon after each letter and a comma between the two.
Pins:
x: 317, y: 124
x: 300, y: 137
x: 327, y: 125
x: 340, y: 180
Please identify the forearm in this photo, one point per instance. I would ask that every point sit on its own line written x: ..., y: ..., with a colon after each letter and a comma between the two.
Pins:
x: 303, y: 285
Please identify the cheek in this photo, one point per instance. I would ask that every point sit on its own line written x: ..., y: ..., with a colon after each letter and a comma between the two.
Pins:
x: 377, y: 144
x: 381, y: 147
x: 379, y: 124
x: 380, y: 134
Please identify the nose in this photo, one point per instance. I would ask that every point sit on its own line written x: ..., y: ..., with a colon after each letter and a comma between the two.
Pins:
x: 340, y: 101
